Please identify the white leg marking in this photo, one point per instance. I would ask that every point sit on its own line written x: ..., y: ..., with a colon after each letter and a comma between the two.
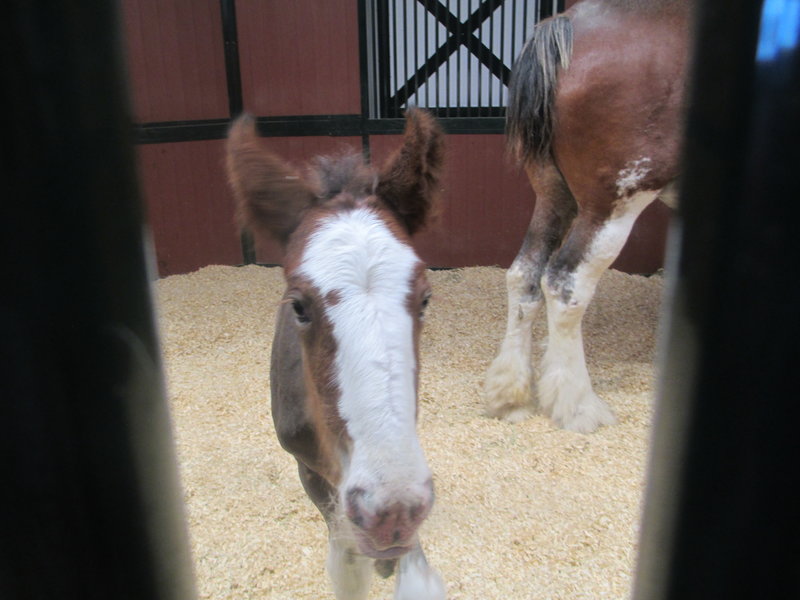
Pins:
x: 508, y: 388
x: 416, y: 580
x: 350, y: 572
x: 565, y: 390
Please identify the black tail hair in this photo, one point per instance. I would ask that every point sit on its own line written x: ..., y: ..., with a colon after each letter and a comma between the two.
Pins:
x: 529, y: 117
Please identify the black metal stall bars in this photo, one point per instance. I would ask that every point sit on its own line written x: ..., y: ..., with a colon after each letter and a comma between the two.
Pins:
x: 453, y: 57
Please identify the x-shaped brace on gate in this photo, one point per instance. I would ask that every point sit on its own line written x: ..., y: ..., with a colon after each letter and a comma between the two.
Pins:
x: 461, y: 34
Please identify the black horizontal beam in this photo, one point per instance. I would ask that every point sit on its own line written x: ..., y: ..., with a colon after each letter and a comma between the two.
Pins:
x: 322, y: 125
x: 453, y: 125
x: 180, y: 131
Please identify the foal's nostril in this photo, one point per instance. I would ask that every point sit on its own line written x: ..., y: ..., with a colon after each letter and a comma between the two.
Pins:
x: 414, y: 511
x: 354, y: 509
x: 381, y: 517
x: 354, y: 493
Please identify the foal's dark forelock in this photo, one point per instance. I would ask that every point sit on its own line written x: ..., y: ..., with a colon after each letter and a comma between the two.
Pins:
x: 344, y: 173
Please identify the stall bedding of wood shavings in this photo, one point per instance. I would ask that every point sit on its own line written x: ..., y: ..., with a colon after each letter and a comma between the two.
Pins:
x: 523, y: 510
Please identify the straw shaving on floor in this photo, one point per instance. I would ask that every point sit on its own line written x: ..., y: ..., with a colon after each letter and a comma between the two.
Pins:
x: 522, y: 511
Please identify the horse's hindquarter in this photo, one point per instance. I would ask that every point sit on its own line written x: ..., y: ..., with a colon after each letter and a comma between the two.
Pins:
x: 619, y: 103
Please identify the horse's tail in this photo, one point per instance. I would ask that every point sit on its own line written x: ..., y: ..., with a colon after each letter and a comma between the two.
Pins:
x: 529, y: 117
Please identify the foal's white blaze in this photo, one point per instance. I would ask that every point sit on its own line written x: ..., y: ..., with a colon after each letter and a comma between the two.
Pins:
x: 355, y: 256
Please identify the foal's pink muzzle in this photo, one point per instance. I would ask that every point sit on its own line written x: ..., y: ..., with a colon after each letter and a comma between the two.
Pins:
x: 388, y: 530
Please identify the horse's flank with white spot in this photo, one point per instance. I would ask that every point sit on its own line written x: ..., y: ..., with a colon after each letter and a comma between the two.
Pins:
x: 594, y: 116
x: 345, y: 364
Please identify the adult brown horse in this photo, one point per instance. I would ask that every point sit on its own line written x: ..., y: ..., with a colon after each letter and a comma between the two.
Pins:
x: 344, y: 369
x: 594, y: 116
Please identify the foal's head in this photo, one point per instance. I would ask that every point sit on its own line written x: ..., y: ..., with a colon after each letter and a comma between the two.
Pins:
x: 357, y: 292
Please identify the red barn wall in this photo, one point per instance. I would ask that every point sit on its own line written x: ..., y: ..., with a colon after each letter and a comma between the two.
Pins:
x: 301, y: 58
x: 188, y: 205
x: 176, y: 60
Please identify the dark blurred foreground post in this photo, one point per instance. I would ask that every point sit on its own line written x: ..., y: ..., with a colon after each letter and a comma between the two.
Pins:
x: 90, y: 504
x: 722, y: 516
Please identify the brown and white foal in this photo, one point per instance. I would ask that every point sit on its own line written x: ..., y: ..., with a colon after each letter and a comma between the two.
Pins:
x: 345, y: 366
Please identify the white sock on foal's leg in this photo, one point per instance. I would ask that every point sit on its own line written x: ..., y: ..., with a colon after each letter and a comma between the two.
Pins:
x: 416, y: 580
x: 350, y: 572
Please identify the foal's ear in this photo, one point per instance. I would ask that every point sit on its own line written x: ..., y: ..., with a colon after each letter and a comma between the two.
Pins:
x: 409, y: 182
x: 270, y: 195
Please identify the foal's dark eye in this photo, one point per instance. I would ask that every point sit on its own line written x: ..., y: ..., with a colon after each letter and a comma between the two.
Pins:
x: 300, y: 312
x: 424, y: 306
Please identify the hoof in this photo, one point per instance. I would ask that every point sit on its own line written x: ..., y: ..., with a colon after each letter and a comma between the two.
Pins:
x: 512, y: 405
x: 509, y: 412
x: 587, y: 416
x: 508, y: 391
x: 569, y: 400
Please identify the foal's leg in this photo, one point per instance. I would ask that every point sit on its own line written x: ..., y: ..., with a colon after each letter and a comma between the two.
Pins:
x: 569, y: 283
x: 350, y: 572
x: 416, y: 580
x: 508, y: 387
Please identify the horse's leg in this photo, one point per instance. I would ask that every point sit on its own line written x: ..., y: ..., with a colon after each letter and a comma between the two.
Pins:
x: 349, y: 571
x: 508, y: 387
x: 569, y: 283
x: 416, y: 580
